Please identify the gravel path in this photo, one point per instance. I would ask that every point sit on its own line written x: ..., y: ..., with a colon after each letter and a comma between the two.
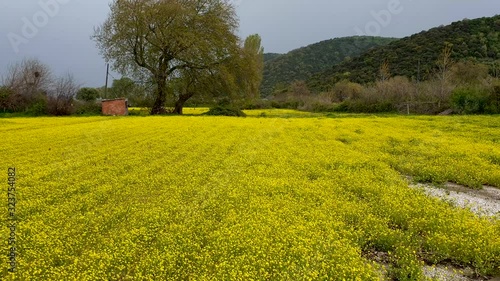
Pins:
x: 443, y: 273
x: 484, y: 202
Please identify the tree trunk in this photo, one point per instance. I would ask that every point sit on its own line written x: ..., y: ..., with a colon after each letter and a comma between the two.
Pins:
x: 179, y: 105
x: 161, y: 97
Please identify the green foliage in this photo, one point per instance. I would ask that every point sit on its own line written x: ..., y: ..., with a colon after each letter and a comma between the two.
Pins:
x: 468, y: 72
x: 479, y: 39
x: 37, y: 108
x: 300, y: 64
x: 137, y: 94
x: 5, y: 94
x: 475, y: 100
x: 253, y: 66
x: 122, y: 88
x: 237, y: 79
x: 88, y: 108
x: 87, y: 94
x: 361, y: 106
x: 407, y: 266
x: 225, y: 110
x: 346, y: 90
x: 270, y: 56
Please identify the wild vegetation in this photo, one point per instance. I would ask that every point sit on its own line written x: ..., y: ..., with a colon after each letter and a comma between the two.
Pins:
x: 270, y: 56
x: 463, y: 87
x: 261, y: 198
x: 30, y: 87
x: 415, y: 56
x: 301, y: 64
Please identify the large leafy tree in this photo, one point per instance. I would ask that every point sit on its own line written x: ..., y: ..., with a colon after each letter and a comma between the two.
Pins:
x: 238, y: 78
x: 164, y: 39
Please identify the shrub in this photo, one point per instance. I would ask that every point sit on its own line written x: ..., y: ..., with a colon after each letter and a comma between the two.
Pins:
x: 221, y: 110
x: 493, y: 106
x: 470, y: 100
x: 258, y: 104
x: 318, y: 106
x: 38, y: 108
x: 60, y: 106
x: 5, y: 96
x: 87, y: 94
x: 345, y: 90
x: 88, y: 108
x: 360, y: 106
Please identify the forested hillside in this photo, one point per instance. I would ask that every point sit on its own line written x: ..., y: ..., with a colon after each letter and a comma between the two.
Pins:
x: 270, y: 56
x: 415, y: 56
x: 300, y: 64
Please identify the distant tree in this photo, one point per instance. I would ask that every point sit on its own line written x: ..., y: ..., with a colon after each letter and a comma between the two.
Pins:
x: 28, y: 77
x: 384, y: 71
x: 468, y: 73
x: 122, y: 88
x: 87, y: 94
x: 28, y: 81
x: 62, y: 95
x: 443, y: 74
x: 253, y: 66
x: 299, y: 88
x: 161, y: 39
x: 345, y: 90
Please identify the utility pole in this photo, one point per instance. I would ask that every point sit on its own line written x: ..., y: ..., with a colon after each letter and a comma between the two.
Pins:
x: 106, y: 86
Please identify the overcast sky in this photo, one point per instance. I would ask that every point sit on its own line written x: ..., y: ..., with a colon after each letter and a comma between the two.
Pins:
x: 58, y: 31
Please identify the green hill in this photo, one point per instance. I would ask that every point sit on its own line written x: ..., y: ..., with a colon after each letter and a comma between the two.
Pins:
x: 301, y: 64
x: 416, y: 56
x: 270, y: 56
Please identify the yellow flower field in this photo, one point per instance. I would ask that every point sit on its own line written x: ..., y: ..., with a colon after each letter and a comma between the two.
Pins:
x: 217, y: 198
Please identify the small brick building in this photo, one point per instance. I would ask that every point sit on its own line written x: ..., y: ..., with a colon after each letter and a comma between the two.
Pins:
x: 115, y: 107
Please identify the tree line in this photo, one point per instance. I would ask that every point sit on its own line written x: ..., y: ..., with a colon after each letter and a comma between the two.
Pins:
x: 452, y: 68
x: 461, y: 87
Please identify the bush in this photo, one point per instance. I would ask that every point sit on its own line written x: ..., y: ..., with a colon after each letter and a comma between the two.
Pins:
x: 493, y: 106
x: 87, y: 94
x: 220, y: 110
x: 470, y: 100
x: 38, y: 108
x: 88, y: 108
x: 60, y: 106
x: 258, y: 104
x: 361, y: 106
x: 5, y: 96
x: 345, y: 90
x: 318, y: 106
